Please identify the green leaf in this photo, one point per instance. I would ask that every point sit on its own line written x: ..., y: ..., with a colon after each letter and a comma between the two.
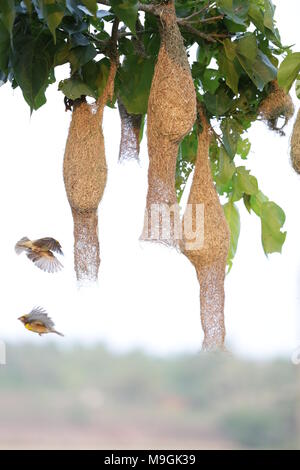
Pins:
x: 74, y: 88
x: 272, y: 220
x: 231, y: 134
x: 226, y: 169
x: 189, y: 146
x: 134, y: 82
x: 243, y: 148
x: 298, y: 87
x: 53, y: 12
x: 141, y: 135
x: 80, y: 56
x: 261, y: 71
x: 289, y: 71
x: 127, y: 11
x: 219, y: 103
x: 62, y: 54
x: 257, y: 16
x: 235, y: 10
x: 257, y: 201
x: 8, y: 14
x: 4, y: 47
x: 210, y: 80
x: 187, y: 154
x: 32, y: 62
x: 91, y: 5
x: 243, y: 183
x: 230, y: 71
x: 95, y: 75
x: 233, y: 219
x: 204, y: 54
x: 269, y: 18
x: 247, y: 203
x: 230, y: 49
x: 247, y: 48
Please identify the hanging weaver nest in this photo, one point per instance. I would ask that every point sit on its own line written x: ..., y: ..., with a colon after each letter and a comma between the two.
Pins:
x: 130, y: 134
x: 295, y: 145
x: 85, y: 174
x: 209, y: 253
x: 171, y: 115
x: 275, y: 106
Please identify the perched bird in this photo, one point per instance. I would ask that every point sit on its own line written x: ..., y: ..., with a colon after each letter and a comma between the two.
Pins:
x: 40, y: 252
x: 39, y: 322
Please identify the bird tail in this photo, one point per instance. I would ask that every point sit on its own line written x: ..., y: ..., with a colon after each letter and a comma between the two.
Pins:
x: 57, y: 332
x: 19, y: 247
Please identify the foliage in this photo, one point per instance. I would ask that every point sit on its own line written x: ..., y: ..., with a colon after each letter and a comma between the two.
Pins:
x: 289, y: 71
x: 238, y: 45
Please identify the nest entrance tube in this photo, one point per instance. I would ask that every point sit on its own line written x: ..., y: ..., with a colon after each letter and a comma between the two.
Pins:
x: 295, y: 145
x: 85, y: 175
x: 206, y: 243
x: 171, y: 115
x: 86, y: 244
x: 130, y: 134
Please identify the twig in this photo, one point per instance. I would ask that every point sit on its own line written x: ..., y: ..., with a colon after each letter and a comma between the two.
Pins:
x: 113, y: 43
x: 200, y: 11
x: 200, y: 34
x: 212, y: 18
x: 150, y: 8
x: 156, y: 10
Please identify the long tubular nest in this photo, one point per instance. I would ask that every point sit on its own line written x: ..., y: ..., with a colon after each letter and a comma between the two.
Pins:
x: 171, y: 115
x: 206, y: 241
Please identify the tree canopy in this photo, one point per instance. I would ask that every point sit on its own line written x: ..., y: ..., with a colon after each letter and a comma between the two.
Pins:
x: 234, y: 48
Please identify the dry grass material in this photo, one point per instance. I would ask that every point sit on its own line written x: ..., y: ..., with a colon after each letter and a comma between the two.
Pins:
x: 171, y: 115
x: 210, y: 259
x: 130, y: 134
x: 85, y: 175
x: 277, y: 105
x: 295, y: 145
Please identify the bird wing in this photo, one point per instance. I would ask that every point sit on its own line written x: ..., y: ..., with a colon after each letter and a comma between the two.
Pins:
x: 45, y: 261
x: 48, y: 243
x: 21, y: 245
x: 39, y: 316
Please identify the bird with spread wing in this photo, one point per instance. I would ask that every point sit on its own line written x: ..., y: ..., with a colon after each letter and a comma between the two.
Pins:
x: 40, y: 252
x: 39, y: 322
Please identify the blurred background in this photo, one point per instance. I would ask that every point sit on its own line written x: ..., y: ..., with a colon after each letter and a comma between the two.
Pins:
x: 91, y: 398
x: 128, y: 373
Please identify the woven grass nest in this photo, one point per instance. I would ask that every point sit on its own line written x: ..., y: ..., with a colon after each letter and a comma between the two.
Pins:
x: 209, y: 259
x: 276, y: 105
x: 171, y: 115
x: 130, y: 134
x: 85, y: 174
x: 295, y: 145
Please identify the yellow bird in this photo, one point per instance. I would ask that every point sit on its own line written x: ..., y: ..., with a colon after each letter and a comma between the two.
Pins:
x: 40, y: 252
x: 39, y: 322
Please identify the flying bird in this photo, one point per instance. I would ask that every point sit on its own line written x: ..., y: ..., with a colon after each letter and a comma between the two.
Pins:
x: 39, y: 322
x: 40, y: 252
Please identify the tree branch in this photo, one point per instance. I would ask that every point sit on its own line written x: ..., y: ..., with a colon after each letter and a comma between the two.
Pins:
x: 192, y: 30
x: 150, y: 8
x: 156, y: 10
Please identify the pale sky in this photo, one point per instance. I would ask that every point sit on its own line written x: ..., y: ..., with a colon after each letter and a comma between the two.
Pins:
x: 147, y: 295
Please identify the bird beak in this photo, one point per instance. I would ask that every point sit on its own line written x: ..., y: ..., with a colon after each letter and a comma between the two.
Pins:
x: 20, y: 318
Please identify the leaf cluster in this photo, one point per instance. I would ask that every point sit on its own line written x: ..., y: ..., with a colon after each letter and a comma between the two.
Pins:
x: 238, y: 50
